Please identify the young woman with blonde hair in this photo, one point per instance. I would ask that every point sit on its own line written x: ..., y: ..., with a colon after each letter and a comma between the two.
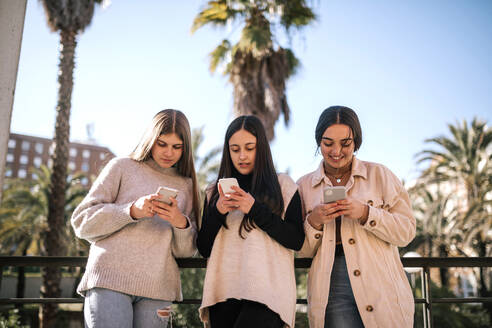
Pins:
x: 131, y: 276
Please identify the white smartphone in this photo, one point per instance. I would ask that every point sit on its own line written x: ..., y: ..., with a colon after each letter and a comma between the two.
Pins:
x: 332, y: 194
x: 165, y: 193
x: 227, y: 183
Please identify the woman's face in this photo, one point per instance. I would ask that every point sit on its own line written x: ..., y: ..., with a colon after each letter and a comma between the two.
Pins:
x: 167, y: 150
x: 337, y: 145
x: 242, y: 147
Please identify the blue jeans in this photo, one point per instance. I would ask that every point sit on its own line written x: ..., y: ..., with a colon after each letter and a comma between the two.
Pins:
x: 341, y: 311
x: 109, y: 308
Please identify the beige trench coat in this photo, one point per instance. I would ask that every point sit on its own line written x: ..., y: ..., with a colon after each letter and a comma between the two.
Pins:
x: 381, y: 289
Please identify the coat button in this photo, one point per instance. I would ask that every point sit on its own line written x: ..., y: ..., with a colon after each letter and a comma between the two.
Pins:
x: 356, y: 273
x: 372, y: 223
x: 351, y: 241
x: 369, y: 308
x: 317, y: 236
x: 370, y: 202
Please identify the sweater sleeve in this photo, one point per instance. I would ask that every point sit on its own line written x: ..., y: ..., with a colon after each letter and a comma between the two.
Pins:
x: 183, y: 243
x: 211, y: 223
x: 184, y: 240
x: 288, y: 232
x: 98, y: 216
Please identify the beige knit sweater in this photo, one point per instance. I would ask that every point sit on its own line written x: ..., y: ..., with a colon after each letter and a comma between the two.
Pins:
x: 135, y: 257
x: 256, y: 268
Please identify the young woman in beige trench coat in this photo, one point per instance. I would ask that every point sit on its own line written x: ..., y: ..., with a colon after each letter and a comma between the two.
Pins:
x: 356, y: 278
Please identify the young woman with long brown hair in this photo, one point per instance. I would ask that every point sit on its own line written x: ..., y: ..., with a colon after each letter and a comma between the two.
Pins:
x: 131, y: 276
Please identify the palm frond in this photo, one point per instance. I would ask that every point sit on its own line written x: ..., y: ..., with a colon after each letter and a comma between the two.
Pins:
x: 295, y: 13
x: 219, y: 55
x: 256, y: 37
x: 216, y: 13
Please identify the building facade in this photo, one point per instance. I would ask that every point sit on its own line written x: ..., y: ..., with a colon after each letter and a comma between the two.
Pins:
x: 27, y: 152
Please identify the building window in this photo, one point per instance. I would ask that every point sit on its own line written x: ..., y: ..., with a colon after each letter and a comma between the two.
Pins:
x: 73, y: 152
x: 26, y: 145
x: 22, y: 173
x: 39, y: 147
x: 85, y: 167
x: 84, y: 181
x: 86, y: 153
x: 8, y: 172
x: 23, y: 159
x: 12, y: 143
x: 10, y: 158
x: 71, y: 166
x: 50, y: 163
x: 37, y: 161
x: 102, y: 156
x: 51, y: 149
x: 34, y: 176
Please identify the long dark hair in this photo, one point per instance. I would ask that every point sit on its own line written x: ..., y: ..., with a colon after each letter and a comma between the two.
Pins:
x: 264, y: 183
x: 164, y: 122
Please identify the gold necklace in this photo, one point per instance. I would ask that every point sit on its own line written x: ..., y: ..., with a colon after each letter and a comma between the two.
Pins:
x: 340, y: 178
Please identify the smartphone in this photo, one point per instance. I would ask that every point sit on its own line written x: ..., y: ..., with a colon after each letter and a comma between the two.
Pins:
x: 332, y: 194
x: 227, y: 183
x: 165, y: 193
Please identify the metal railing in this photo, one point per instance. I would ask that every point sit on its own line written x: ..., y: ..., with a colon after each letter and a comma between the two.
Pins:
x: 425, y: 263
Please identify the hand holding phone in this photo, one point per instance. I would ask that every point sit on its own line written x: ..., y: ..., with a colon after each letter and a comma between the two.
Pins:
x: 332, y: 194
x: 227, y: 183
x: 165, y: 193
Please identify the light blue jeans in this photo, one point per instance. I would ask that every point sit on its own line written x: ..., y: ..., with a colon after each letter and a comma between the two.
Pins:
x: 341, y: 311
x: 107, y: 308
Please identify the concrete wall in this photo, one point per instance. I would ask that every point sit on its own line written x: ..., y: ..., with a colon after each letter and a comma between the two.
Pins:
x: 12, y: 13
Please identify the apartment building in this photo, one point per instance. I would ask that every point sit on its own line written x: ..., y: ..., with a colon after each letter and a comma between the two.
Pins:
x: 26, y: 152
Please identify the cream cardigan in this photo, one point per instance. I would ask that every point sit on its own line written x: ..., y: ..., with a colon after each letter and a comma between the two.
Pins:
x: 381, y: 289
x: 256, y: 268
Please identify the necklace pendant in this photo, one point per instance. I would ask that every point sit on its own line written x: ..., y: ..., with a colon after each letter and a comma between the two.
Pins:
x: 339, y: 180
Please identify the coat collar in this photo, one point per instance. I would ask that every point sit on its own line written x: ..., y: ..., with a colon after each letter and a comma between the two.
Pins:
x: 358, y: 169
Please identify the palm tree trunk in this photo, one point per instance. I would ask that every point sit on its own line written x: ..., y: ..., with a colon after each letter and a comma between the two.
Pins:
x: 53, y: 241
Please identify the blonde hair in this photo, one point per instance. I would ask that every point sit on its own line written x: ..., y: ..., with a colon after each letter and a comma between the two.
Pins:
x: 164, y: 122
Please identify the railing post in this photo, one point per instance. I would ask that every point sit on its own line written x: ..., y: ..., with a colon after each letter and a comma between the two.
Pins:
x: 426, y: 295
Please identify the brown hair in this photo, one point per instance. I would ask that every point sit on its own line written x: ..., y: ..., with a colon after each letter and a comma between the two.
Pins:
x: 339, y: 115
x: 164, y: 122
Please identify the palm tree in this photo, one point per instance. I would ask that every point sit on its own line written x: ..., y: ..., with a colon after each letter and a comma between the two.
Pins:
x: 436, y: 223
x: 23, y: 215
x: 464, y: 163
x: 22, y: 220
x: 69, y: 18
x: 257, y: 66
x: 464, y: 159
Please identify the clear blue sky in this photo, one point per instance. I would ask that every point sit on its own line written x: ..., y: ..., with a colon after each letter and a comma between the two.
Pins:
x: 408, y: 67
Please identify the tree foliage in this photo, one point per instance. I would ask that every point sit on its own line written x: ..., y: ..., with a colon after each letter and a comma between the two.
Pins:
x: 257, y: 65
x: 453, y: 196
x: 69, y: 18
